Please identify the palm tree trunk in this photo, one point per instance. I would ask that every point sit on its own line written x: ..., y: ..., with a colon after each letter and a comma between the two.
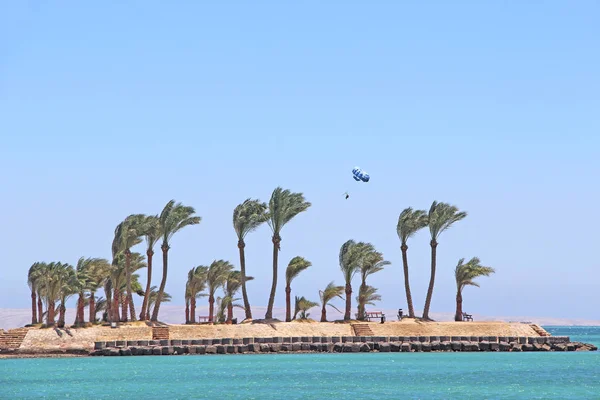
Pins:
x: 40, y: 309
x: 288, y: 304
x: 361, y: 304
x: 348, y: 301
x: 229, y: 313
x: 115, y: 306
x: 193, y: 310
x: 131, y: 306
x: 458, y: 315
x: 163, y: 282
x: 61, y: 315
x: 33, y: 307
x: 187, y: 311
x: 124, y: 301
x: 211, y: 307
x: 92, y: 318
x: 409, y: 302
x: 247, y: 309
x: 324, y: 313
x: 79, y: 319
x: 276, y: 241
x: 128, y: 296
x: 144, y: 312
x: 51, y: 312
x: 433, y: 244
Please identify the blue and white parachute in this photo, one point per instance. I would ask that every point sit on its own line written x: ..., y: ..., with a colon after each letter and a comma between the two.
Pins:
x: 360, y: 175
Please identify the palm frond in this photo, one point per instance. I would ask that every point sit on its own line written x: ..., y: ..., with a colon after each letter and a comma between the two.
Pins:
x: 283, y: 206
x: 466, y: 273
x: 296, y: 265
x: 441, y: 217
x: 248, y: 216
x: 410, y: 222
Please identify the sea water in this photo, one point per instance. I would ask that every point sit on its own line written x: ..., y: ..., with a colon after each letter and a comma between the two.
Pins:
x: 529, y: 375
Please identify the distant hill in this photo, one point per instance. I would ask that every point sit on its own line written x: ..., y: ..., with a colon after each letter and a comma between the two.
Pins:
x: 172, y: 314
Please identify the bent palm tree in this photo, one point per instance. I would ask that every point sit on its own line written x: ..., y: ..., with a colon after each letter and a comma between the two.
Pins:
x: 246, y: 218
x: 296, y: 265
x: 441, y: 217
x: 33, y: 280
x: 409, y: 223
x: 283, y: 206
x: 152, y: 299
x: 327, y: 295
x: 151, y: 232
x: 350, y: 258
x: 367, y: 295
x: 216, y: 276
x: 173, y: 218
x: 465, y: 275
x: 372, y: 262
x: 230, y: 288
x: 100, y: 271
x: 302, y: 306
x: 196, y: 284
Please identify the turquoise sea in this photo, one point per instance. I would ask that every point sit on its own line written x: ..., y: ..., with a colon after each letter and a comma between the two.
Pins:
x: 314, y: 376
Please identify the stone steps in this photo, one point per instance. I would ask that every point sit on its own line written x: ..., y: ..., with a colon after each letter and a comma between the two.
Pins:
x: 539, y: 330
x: 13, y: 338
x: 362, y: 330
x: 160, y: 333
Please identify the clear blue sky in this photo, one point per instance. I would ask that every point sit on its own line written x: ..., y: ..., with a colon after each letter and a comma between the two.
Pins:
x: 113, y: 109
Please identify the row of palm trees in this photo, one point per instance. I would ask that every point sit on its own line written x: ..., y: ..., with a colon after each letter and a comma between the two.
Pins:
x: 52, y: 284
x: 120, y: 282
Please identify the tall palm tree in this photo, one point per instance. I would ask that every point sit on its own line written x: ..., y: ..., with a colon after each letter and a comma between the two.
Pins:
x: 230, y: 289
x: 151, y: 232
x: 33, y: 279
x: 217, y: 274
x: 173, y: 218
x: 283, y: 206
x: 372, y: 262
x: 246, y: 218
x: 350, y: 258
x: 196, y: 284
x: 53, y: 276
x: 465, y: 275
x: 83, y: 284
x: 99, y: 272
x: 128, y: 234
x: 327, y: 295
x: 302, y: 306
x: 70, y: 285
x: 367, y: 295
x: 409, y: 223
x: 296, y: 265
x: 441, y: 217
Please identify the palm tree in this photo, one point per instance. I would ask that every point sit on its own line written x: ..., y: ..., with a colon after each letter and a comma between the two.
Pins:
x: 216, y: 276
x: 173, y: 218
x: 302, y: 306
x: 246, y: 218
x: 99, y: 272
x: 151, y: 232
x: 100, y: 306
x: 372, y: 262
x: 83, y: 283
x: 441, y: 217
x: 33, y: 279
x: 283, y: 206
x: 351, y: 257
x: 196, y: 284
x: 409, y: 223
x: 53, y: 276
x: 465, y: 275
x: 152, y: 299
x: 367, y: 295
x: 128, y: 234
x: 296, y: 265
x: 70, y: 285
x: 327, y: 295
x: 230, y: 288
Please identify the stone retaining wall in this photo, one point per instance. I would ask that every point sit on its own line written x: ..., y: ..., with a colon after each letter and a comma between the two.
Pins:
x: 345, y: 344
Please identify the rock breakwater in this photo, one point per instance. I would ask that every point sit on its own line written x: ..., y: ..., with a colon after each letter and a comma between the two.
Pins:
x: 338, y: 344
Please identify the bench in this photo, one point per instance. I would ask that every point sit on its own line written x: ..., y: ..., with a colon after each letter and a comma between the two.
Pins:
x: 374, y: 315
x: 467, y: 317
x: 203, y: 318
